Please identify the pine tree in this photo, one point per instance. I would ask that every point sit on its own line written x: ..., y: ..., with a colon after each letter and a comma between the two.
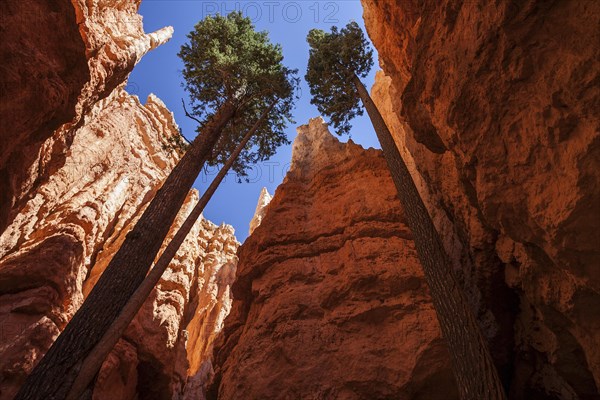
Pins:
x: 94, y: 360
x: 338, y: 61
x: 232, y: 72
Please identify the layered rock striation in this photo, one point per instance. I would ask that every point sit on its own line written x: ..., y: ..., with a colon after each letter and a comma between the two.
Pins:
x: 494, y: 107
x: 55, y: 249
x: 167, y: 350
x: 81, y: 161
x: 60, y: 57
x: 330, y: 301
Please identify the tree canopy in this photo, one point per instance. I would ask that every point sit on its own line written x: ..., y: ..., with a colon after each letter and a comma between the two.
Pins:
x: 227, y: 61
x: 335, y: 57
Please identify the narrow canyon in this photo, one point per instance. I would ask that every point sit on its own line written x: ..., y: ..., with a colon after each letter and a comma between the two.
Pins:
x: 494, y: 106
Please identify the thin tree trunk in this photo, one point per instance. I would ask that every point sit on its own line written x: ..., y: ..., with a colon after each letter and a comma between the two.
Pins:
x: 94, y: 360
x: 53, y: 376
x: 473, y: 366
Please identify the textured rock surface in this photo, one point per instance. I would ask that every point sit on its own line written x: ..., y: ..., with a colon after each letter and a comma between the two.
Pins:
x: 81, y: 160
x: 168, y: 347
x: 60, y: 57
x: 330, y: 301
x: 261, y: 208
x: 496, y: 104
x: 40, y: 82
x: 55, y: 249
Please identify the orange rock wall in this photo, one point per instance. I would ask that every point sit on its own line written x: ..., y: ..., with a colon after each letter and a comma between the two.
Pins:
x: 82, y: 159
x: 496, y: 104
x: 167, y: 349
x: 59, y: 59
x: 40, y: 82
x: 330, y: 301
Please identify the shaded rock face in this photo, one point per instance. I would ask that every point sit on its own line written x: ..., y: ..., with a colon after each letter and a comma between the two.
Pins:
x: 330, y: 301
x: 77, y: 173
x: 40, y: 83
x: 494, y: 106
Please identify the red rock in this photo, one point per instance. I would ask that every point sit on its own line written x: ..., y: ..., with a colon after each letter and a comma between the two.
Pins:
x: 90, y: 180
x: 511, y: 91
x: 261, y: 208
x: 330, y: 300
x: 60, y: 59
x: 40, y: 81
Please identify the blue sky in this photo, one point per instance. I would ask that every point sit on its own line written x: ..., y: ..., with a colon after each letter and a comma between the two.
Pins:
x: 287, y: 22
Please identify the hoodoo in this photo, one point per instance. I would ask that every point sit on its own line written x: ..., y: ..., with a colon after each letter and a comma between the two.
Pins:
x: 329, y: 285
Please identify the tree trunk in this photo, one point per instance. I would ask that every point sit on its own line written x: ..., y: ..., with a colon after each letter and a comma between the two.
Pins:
x: 473, y: 366
x: 53, y: 376
x: 94, y: 360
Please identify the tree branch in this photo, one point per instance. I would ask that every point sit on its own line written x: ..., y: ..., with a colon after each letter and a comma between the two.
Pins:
x: 187, y: 114
x: 252, y: 97
x: 185, y: 138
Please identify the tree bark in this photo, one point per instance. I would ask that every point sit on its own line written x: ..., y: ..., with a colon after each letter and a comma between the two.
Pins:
x: 473, y: 366
x: 94, y: 360
x: 53, y: 376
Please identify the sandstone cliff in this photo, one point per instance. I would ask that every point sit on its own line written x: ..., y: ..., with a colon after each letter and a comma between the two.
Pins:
x: 330, y: 301
x: 81, y: 160
x: 60, y: 58
x: 495, y: 107
x: 166, y: 352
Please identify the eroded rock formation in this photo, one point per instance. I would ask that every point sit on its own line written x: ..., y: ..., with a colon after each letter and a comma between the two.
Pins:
x: 494, y: 104
x: 81, y: 160
x: 56, y: 248
x: 167, y: 350
x: 261, y: 208
x: 330, y: 301
x: 59, y: 59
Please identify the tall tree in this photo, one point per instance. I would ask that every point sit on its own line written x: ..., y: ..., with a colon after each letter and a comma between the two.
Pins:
x: 231, y: 72
x: 338, y: 61
x: 94, y: 360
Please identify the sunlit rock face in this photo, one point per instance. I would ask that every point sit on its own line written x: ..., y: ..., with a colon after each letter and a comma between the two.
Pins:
x: 261, y: 208
x: 77, y: 172
x: 56, y: 249
x: 59, y: 59
x: 494, y: 107
x: 330, y: 301
x: 167, y: 350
